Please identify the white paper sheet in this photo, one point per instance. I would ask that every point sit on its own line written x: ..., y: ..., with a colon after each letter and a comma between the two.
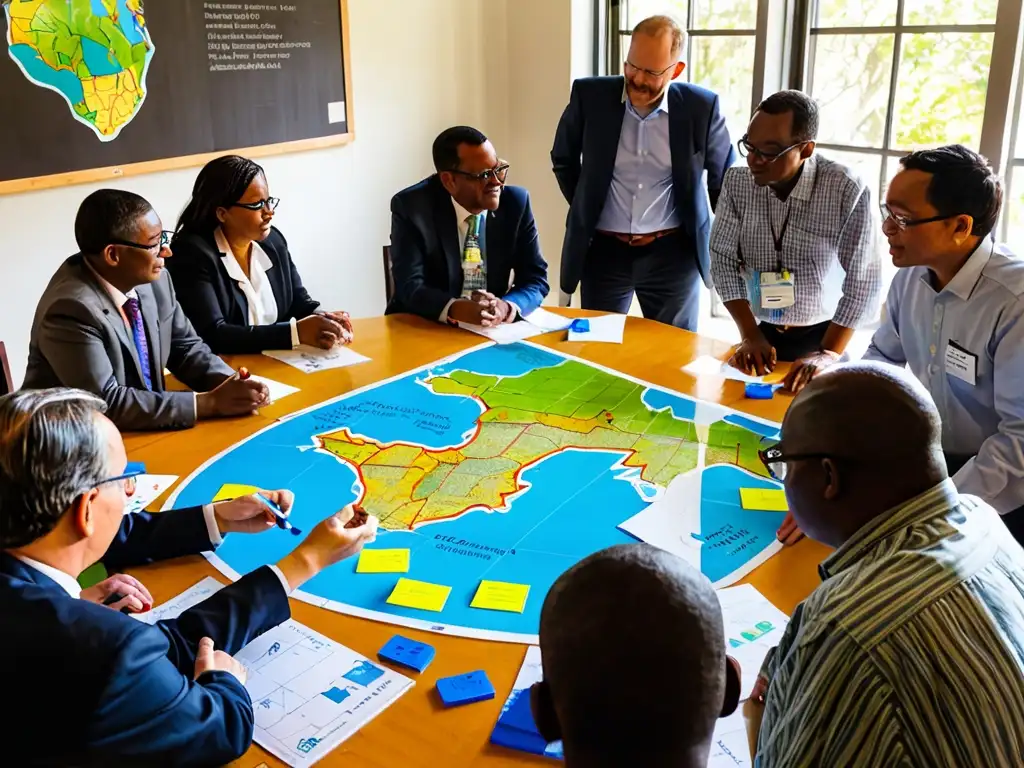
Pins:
x: 549, y: 321
x: 705, y: 365
x: 311, y: 359
x: 753, y: 626
x: 277, y: 389
x: 506, y: 333
x: 147, y: 489
x: 729, y: 745
x: 309, y: 693
x: 606, y: 328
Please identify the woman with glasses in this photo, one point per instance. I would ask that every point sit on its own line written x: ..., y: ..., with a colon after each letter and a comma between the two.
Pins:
x: 233, y: 273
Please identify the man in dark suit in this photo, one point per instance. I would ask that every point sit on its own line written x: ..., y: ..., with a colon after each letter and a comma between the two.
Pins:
x: 94, y: 686
x: 109, y: 323
x: 464, y: 246
x: 639, y: 219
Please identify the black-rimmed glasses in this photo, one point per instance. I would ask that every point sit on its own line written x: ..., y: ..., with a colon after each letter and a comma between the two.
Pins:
x: 129, y: 479
x: 500, y: 173
x: 774, y: 460
x: 269, y: 203
x: 902, y: 222
x: 164, y: 242
x: 746, y: 148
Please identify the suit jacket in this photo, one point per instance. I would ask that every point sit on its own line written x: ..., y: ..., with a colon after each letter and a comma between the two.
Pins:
x: 96, y: 687
x: 218, y: 309
x: 426, y: 255
x: 590, y: 126
x: 79, y: 339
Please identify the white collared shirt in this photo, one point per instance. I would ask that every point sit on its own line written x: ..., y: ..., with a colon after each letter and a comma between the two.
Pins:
x: 259, y: 295
x: 461, y: 216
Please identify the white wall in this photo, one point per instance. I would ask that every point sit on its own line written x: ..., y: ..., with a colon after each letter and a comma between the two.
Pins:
x: 418, y: 66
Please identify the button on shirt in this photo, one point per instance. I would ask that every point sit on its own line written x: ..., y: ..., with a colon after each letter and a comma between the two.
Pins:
x: 259, y: 295
x: 911, y: 652
x: 981, y: 310
x: 640, y: 198
x: 831, y: 221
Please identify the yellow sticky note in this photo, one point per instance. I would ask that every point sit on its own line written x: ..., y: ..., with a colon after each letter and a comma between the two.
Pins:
x: 383, y: 561
x: 764, y: 499
x: 233, y: 491
x: 410, y: 593
x: 500, y: 596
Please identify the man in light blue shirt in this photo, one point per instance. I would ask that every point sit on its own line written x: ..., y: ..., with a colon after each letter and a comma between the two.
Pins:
x: 955, y: 315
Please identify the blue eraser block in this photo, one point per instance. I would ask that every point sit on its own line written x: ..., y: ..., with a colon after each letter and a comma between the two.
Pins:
x: 135, y: 466
x: 580, y: 325
x: 407, y: 653
x: 465, y: 689
x: 759, y: 391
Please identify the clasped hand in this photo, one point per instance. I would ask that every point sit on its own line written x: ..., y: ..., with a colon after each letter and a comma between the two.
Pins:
x: 482, y: 308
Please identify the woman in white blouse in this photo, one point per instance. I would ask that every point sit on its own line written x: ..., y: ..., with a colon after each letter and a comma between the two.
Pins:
x: 232, y: 272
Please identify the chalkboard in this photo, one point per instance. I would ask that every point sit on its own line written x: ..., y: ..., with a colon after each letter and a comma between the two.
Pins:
x: 98, y: 89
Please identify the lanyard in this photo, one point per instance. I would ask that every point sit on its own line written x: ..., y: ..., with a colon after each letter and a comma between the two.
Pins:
x: 777, y: 238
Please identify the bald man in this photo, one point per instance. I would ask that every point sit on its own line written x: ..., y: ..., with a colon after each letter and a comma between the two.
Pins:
x: 601, y: 622
x: 911, y: 651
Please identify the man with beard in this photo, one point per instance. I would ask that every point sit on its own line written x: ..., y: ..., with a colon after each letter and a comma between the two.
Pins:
x: 783, y: 225
x: 629, y: 154
x: 464, y: 246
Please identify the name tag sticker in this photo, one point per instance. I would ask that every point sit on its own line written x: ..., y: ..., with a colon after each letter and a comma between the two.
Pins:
x: 777, y: 290
x: 961, y: 364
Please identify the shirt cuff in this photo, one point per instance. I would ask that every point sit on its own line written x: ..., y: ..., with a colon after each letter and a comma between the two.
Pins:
x: 284, y: 581
x: 444, y: 313
x: 195, y: 407
x: 216, y: 539
x: 295, y: 332
x: 516, y: 311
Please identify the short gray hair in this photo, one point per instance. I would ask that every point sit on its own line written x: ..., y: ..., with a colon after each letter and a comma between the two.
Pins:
x: 51, y: 451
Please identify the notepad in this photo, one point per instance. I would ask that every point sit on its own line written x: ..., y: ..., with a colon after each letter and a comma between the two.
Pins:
x: 383, y: 561
x: 410, y: 593
x: 764, y: 499
x: 500, y: 596
x: 230, y: 491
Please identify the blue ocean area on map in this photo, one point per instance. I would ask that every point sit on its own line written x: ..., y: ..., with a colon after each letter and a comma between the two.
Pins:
x: 99, y: 59
x: 550, y: 525
x: 63, y: 80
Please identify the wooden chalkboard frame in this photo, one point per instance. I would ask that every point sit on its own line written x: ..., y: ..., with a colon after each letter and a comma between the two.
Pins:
x: 108, y: 173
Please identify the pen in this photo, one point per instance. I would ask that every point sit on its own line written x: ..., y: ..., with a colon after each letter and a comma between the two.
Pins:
x: 282, y: 521
x: 113, y: 597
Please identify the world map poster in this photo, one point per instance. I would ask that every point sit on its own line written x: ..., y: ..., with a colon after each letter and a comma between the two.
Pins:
x: 491, y: 474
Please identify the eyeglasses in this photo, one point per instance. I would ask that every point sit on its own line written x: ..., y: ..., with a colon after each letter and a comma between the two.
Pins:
x: 500, y: 174
x: 652, y: 73
x: 902, y: 222
x: 129, y: 480
x: 746, y: 148
x: 774, y: 460
x: 164, y: 242
x: 269, y: 203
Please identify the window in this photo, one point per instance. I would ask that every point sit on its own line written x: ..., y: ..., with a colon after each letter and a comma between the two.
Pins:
x: 1013, y: 193
x: 719, y: 53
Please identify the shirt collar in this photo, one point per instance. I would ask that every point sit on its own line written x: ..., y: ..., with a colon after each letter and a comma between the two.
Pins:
x: 662, y: 105
x: 964, y: 281
x: 66, y: 582
x: 460, y: 212
x: 935, y: 502
x: 234, y: 269
x: 115, y: 294
x: 805, y: 184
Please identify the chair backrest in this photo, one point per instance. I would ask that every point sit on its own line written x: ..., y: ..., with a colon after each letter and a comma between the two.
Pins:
x: 389, y: 278
x: 6, y: 382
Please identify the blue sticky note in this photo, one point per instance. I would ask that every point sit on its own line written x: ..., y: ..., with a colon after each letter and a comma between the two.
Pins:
x: 363, y: 673
x: 336, y: 695
x: 759, y: 391
x: 135, y: 466
x: 407, y: 653
x: 519, y: 715
x: 580, y: 325
x: 465, y: 689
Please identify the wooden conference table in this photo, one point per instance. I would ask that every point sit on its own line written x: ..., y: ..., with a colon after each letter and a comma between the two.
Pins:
x: 417, y: 730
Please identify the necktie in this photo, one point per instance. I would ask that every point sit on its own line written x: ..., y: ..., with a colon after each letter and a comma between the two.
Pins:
x: 474, y: 271
x: 133, y: 312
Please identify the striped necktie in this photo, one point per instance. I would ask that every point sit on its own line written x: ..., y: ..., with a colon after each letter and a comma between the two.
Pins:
x: 133, y: 311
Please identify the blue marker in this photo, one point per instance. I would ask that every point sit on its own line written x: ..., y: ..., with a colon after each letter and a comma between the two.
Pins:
x: 282, y: 521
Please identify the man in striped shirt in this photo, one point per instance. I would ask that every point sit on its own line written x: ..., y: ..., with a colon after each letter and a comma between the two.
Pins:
x: 911, y: 652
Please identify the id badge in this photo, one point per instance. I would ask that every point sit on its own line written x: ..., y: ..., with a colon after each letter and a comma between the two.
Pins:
x: 961, y: 364
x: 778, y: 290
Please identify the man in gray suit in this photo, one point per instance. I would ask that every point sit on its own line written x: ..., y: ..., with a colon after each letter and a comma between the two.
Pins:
x: 109, y: 323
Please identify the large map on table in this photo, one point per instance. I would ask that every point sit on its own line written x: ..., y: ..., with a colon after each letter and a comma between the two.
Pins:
x: 504, y: 464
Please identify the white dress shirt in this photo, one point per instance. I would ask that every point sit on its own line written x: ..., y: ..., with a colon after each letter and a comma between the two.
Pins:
x: 259, y: 295
x: 70, y: 584
x: 981, y: 311
x: 461, y: 219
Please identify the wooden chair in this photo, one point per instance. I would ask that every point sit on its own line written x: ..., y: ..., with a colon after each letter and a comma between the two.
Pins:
x: 389, y: 278
x: 6, y: 382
